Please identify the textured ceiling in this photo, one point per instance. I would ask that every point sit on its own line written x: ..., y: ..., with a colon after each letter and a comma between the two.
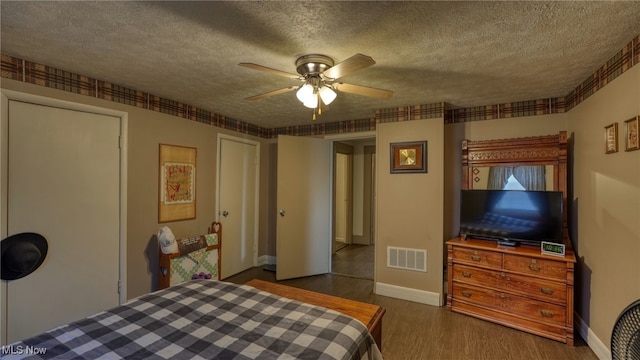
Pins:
x: 462, y: 53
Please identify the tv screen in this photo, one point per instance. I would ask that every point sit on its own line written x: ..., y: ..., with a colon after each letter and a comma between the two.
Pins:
x: 509, y: 215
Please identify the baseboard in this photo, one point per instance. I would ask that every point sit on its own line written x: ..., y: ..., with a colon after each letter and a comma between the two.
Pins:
x: 403, y: 293
x: 595, y: 344
x: 266, y: 260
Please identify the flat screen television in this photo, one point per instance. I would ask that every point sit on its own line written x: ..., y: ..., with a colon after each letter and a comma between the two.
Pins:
x: 512, y: 216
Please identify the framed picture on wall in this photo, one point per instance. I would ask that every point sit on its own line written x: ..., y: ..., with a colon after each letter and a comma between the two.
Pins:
x: 177, y: 189
x: 408, y: 157
x: 611, y: 138
x: 631, y: 134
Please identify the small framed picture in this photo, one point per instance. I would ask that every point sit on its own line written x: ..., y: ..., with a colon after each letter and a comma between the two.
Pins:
x: 409, y: 157
x: 611, y: 138
x: 631, y: 133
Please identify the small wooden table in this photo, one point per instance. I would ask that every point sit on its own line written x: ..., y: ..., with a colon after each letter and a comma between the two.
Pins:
x: 368, y: 314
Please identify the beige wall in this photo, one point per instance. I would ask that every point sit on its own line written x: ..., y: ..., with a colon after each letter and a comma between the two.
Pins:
x: 409, y: 206
x: 605, y: 206
x: 146, y: 130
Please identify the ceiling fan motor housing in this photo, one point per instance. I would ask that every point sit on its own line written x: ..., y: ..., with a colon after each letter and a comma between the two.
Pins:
x: 313, y: 65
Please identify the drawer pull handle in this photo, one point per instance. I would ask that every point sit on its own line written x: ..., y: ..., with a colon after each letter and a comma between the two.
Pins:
x: 547, y: 291
x: 466, y: 274
x: 475, y: 257
x: 546, y: 313
x: 466, y: 293
x: 503, y: 275
x: 503, y: 296
x: 534, y: 267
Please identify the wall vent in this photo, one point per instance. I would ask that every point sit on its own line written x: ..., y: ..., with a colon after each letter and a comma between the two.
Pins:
x: 408, y: 259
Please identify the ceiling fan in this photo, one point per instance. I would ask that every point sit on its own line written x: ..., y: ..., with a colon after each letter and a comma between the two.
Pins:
x: 320, y: 77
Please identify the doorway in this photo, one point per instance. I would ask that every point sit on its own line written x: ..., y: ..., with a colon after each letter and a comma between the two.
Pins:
x: 342, y: 196
x: 305, y: 176
x: 354, y: 168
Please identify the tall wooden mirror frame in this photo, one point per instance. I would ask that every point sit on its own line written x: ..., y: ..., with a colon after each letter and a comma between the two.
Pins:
x: 538, y: 150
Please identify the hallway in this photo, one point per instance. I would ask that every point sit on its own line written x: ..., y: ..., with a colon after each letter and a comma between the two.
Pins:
x: 354, y: 261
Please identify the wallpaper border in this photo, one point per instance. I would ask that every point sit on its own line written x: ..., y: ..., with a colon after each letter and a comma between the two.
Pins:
x: 30, y: 72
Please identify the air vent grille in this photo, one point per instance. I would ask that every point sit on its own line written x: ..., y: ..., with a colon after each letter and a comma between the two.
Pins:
x: 407, y: 259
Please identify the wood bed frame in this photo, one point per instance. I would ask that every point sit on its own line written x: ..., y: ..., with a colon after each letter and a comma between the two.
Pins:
x: 368, y: 314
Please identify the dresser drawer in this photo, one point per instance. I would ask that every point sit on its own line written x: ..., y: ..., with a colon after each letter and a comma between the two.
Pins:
x: 478, y: 257
x: 518, y: 284
x: 535, y: 266
x: 551, y: 331
x: 513, y: 304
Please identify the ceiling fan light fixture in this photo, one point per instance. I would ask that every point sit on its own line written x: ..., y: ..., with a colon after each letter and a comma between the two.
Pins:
x: 312, y: 102
x: 327, y: 94
x: 305, y: 93
x: 319, y: 74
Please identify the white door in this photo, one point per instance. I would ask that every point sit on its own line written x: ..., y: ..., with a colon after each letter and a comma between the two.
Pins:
x: 64, y: 183
x: 238, y: 203
x: 303, y: 245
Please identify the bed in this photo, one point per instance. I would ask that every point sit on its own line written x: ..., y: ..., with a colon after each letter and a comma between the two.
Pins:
x: 205, y: 319
x: 197, y: 318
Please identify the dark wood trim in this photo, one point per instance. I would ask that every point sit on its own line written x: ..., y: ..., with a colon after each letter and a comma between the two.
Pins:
x: 536, y: 150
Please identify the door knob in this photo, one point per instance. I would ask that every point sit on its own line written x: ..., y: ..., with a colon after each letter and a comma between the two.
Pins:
x: 282, y: 213
x: 225, y: 213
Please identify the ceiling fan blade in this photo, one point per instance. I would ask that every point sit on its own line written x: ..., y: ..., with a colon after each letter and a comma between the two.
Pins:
x: 356, y: 62
x: 270, y: 70
x: 272, y: 93
x: 363, y: 90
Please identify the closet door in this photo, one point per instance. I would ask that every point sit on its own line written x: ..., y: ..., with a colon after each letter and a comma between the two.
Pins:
x: 238, y: 187
x: 64, y: 183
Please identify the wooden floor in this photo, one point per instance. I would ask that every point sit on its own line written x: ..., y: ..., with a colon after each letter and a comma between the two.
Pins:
x: 354, y: 260
x: 412, y: 331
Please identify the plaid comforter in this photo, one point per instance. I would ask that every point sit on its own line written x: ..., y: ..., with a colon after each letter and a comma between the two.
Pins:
x: 205, y: 319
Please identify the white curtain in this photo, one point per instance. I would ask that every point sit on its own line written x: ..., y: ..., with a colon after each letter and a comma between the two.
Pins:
x: 498, y: 177
x: 530, y: 177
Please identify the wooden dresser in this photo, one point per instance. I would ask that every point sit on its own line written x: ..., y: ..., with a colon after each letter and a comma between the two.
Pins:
x: 517, y: 287
x: 514, y: 286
